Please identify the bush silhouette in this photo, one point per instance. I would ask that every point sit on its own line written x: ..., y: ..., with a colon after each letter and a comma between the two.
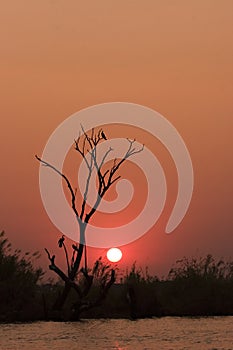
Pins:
x: 18, y: 281
x: 193, y: 287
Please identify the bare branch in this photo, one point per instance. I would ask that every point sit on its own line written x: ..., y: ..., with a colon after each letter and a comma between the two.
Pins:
x: 131, y: 151
x: 82, y: 151
x: 49, y: 256
x: 85, y: 194
x: 66, y: 180
x: 67, y: 258
x: 105, y: 156
x: 103, y: 186
x: 89, y: 140
x: 61, y: 274
x: 114, y: 180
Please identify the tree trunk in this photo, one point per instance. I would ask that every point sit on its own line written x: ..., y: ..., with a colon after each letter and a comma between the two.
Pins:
x: 63, y: 296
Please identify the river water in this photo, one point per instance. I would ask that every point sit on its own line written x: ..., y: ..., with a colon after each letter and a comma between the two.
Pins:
x: 212, y: 333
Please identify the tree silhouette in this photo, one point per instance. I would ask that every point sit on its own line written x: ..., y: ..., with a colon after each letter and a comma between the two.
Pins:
x: 86, y: 146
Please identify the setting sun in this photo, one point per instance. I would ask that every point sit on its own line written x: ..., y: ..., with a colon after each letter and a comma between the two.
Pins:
x: 114, y: 254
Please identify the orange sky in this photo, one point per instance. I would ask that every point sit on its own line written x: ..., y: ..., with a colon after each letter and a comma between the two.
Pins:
x: 175, y: 56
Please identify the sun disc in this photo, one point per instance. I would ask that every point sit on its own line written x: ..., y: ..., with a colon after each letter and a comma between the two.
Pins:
x: 114, y: 254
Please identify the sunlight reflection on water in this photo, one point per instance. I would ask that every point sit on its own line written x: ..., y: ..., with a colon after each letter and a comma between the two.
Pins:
x: 169, y: 333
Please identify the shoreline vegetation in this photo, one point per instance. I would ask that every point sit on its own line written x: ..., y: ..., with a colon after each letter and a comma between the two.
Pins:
x: 193, y: 287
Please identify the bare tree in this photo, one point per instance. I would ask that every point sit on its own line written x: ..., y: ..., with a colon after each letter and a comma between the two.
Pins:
x: 86, y: 146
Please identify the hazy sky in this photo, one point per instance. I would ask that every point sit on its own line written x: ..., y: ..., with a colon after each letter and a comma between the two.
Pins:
x: 175, y: 56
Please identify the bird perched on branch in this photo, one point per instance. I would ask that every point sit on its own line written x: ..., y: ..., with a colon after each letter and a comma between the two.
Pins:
x: 61, y: 240
x: 103, y: 135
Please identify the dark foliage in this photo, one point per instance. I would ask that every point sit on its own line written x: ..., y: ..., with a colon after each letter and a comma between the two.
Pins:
x: 194, y: 287
x: 199, y: 287
x: 18, y: 283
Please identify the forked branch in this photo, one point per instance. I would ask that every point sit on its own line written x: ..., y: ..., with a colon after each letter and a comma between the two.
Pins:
x: 61, y: 274
x: 106, y: 179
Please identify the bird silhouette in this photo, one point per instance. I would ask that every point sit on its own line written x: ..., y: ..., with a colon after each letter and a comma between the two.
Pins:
x: 103, y: 135
x: 61, y: 240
